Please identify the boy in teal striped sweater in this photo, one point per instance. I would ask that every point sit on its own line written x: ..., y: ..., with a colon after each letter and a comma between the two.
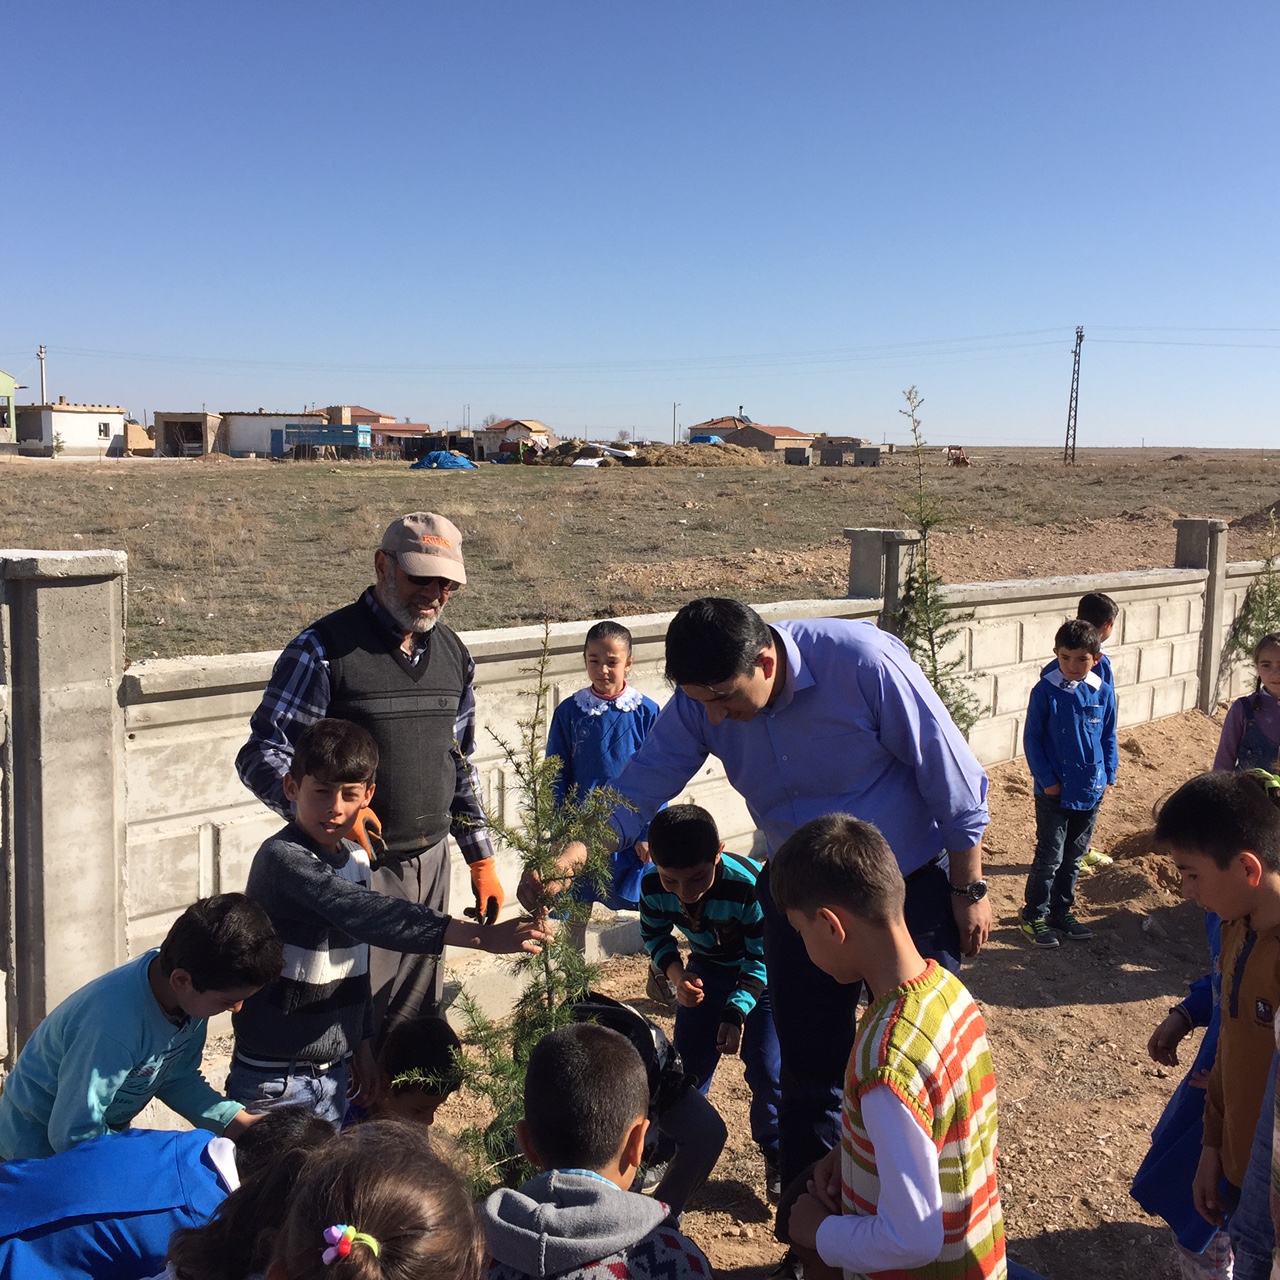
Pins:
x: 722, y: 994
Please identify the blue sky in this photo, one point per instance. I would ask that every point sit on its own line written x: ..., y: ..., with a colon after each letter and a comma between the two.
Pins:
x: 584, y: 212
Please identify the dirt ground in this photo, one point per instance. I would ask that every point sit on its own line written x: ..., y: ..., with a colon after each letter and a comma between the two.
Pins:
x: 229, y: 556
x: 1068, y: 1032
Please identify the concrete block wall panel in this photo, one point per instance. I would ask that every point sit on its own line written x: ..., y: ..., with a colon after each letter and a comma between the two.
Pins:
x: 994, y: 644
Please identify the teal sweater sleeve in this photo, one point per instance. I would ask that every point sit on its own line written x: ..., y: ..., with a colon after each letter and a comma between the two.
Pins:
x: 187, y: 1092
x: 89, y: 1077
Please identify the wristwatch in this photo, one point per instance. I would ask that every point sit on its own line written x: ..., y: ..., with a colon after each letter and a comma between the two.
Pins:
x: 975, y: 892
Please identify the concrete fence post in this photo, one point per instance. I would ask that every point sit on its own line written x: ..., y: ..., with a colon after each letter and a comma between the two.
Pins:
x: 1202, y: 544
x: 879, y: 560
x: 63, y: 639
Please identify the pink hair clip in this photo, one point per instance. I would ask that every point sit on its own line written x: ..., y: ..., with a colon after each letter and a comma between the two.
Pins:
x: 340, y: 1239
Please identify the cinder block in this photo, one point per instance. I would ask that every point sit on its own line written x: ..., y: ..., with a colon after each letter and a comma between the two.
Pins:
x: 958, y: 647
x: 237, y: 842
x: 1013, y: 688
x: 1166, y: 699
x: 1124, y: 666
x: 1195, y: 619
x: 994, y: 741
x: 983, y: 687
x: 1190, y: 693
x: 994, y: 644
x: 1186, y: 655
x: 1141, y: 621
x: 1175, y: 617
x: 1135, y: 706
x: 1037, y: 635
x: 163, y: 874
x: 1154, y: 662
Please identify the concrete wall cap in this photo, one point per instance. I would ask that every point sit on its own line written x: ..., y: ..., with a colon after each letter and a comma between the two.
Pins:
x: 976, y: 593
x: 1216, y: 526
x: 22, y: 563
x: 164, y: 677
x: 888, y: 535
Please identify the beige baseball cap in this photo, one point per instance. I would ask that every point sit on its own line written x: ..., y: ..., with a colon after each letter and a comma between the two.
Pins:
x: 426, y: 546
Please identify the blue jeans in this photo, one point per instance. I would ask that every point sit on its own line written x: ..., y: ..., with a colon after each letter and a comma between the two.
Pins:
x: 815, y: 1014
x: 1250, y: 1227
x: 1062, y: 840
x: 261, y: 1088
x: 695, y: 1039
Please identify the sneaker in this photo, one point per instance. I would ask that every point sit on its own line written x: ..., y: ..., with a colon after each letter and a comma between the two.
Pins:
x: 1095, y: 858
x: 647, y: 1182
x: 659, y: 989
x: 1038, y: 932
x: 1070, y: 927
x: 772, y: 1178
x: 790, y: 1268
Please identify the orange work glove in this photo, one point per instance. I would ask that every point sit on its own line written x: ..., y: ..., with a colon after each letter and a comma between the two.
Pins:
x: 488, y: 891
x: 368, y: 832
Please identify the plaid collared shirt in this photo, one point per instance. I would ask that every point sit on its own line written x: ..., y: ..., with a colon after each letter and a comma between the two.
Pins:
x: 298, y: 695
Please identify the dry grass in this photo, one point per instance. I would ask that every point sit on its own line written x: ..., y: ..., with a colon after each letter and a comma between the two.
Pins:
x: 238, y: 556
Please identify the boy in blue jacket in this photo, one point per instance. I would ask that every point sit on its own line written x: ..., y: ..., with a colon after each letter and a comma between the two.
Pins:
x: 1070, y: 744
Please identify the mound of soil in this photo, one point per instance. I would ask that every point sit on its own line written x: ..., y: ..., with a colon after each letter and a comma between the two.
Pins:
x: 1261, y: 519
x: 701, y: 455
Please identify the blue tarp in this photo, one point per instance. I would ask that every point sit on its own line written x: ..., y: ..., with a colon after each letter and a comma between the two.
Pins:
x: 706, y: 440
x: 442, y: 460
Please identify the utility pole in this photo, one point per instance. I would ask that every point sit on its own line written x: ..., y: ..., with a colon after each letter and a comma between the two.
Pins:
x: 674, y: 407
x: 1069, y: 449
x: 44, y: 395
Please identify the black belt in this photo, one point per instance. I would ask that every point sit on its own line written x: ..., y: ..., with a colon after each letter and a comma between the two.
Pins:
x: 289, y: 1065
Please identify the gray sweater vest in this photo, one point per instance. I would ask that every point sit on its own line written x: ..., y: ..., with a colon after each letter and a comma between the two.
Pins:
x: 410, y: 710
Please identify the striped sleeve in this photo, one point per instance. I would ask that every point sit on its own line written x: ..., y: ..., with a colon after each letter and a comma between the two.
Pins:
x: 656, y: 922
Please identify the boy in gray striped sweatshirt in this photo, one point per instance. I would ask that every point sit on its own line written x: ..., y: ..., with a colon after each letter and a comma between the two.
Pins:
x: 305, y: 1038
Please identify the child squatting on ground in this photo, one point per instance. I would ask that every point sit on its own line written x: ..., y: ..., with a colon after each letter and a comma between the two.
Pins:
x: 418, y: 1069
x: 303, y: 1037
x: 1071, y: 749
x: 138, y: 1033
x: 594, y: 733
x: 1223, y: 832
x: 912, y: 1187
x: 721, y: 993
x: 586, y: 1107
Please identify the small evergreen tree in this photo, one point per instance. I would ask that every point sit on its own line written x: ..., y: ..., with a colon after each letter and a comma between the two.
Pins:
x: 1259, y: 611
x: 923, y: 621
x: 494, y: 1070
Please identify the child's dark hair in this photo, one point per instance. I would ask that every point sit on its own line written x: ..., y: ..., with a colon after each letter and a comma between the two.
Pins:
x: 425, y: 1052
x: 333, y: 750
x: 1270, y: 641
x: 1078, y: 634
x: 585, y: 1087
x: 683, y: 836
x: 226, y: 943
x: 1222, y: 815
x: 608, y: 630
x: 382, y: 1178
x: 714, y: 639
x: 1097, y: 608
x: 838, y: 861
x: 237, y: 1241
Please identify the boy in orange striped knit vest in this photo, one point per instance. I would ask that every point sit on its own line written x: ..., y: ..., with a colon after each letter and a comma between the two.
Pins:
x: 911, y: 1190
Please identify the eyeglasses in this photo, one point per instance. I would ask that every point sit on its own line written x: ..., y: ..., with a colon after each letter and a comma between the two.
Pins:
x: 445, y: 586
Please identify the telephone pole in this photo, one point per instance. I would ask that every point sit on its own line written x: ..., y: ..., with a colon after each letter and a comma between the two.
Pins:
x: 44, y: 395
x: 674, y: 407
x: 1069, y: 449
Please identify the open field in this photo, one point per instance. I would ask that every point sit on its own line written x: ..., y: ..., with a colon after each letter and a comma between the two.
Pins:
x: 228, y: 557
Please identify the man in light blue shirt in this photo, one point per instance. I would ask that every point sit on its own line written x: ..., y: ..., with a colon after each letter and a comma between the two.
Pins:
x: 809, y: 718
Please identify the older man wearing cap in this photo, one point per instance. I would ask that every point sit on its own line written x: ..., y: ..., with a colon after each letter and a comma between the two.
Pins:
x: 388, y: 663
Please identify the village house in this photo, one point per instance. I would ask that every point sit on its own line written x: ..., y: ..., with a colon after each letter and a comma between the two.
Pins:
x: 513, y: 432
x: 742, y: 431
x: 250, y: 433
x: 73, y: 430
x: 188, y: 435
x: 8, y: 413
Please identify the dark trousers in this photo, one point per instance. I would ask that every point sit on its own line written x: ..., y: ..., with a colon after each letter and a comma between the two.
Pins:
x: 1062, y: 840
x: 815, y: 1015
x: 696, y: 1032
x: 405, y: 986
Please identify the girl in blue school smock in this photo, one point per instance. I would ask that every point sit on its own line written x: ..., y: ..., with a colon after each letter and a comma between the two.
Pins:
x: 595, y: 732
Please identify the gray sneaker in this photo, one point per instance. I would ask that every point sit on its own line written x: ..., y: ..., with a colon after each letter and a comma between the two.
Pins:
x: 1038, y: 932
x: 1070, y: 927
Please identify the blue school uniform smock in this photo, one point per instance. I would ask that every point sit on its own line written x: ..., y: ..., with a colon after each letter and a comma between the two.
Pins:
x: 1162, y: 1185
x: 106, y: 1208
x: 594, y: 738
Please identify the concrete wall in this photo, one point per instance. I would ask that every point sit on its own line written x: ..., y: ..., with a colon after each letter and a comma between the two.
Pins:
x: 119, y: 802
x: 251, y: 432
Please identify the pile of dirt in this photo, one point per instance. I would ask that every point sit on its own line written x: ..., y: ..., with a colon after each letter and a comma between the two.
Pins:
x: 699, y: 455
x: 1262, y: 519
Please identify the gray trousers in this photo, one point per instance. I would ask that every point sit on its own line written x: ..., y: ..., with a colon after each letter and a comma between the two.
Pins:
x: 404, y: 985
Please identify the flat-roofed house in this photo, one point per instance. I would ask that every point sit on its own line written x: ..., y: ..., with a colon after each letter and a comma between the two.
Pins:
x: 76, y: 430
